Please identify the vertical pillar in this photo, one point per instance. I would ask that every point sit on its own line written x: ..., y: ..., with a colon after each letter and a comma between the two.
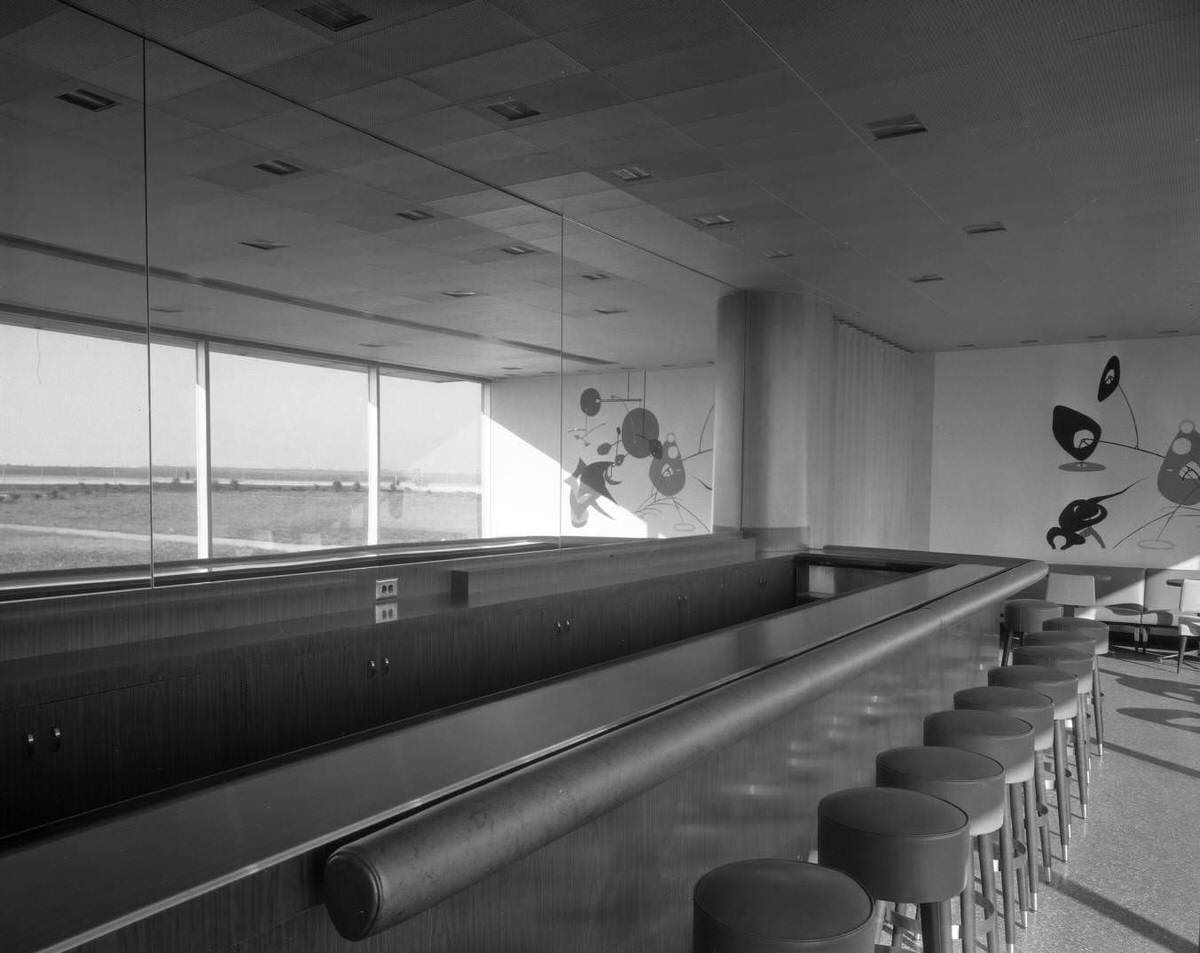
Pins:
x: 373, y: 464
x: 773, y: 434
x: 203, y: 455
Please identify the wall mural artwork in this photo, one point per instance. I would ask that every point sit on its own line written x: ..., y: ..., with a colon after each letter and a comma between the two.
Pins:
x: 639, y: 437
x: 1177, y: 478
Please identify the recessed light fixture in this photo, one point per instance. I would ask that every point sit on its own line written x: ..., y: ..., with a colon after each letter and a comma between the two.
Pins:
x: 332, y: 15
x: 518, y: 250
x: 263, y: 244
x: 365, y: 344
x: 632, y: 173
x: 595, y: 276
x: 1097, y: 337
x: 780, y: 253
x: 460, y: 294
x: 86, y: 99
x: 925, y: 279
x: 514, y: 109
x: 896, y: 126
x: 1029, y: 341
x: 985, y: 228
x: 510, y: 368
x: 609, y: 310
x: 166, y: 310
x: 416, y: 214
x: 965, y: 346
x: 277, y: 167
x: 712, y: 221
x: 1169, y: 331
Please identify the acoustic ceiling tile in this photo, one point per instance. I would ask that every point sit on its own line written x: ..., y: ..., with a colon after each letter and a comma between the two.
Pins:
x: 570, y: 95
x: 69, y: 41
x: 436, y: 128
x: 345, y: 147
x: 507, y: 172
x: 732, y: 56
x: 1014, y: 25
x: 494, y: 145
x: 284, y: 129
x: 498, y: 71
x: 612, y: 122
x: 715, y: 100
x: 319, y: 74
x: 384, y: 102
x: 248, y: 42
x: 547, y: 18
x: 225, y: 103
x: 19, y: 79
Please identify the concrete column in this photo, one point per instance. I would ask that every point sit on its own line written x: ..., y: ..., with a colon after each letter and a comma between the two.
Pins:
x: 773, y: 427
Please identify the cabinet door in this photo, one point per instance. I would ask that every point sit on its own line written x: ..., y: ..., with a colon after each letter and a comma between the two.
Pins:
x: 703, y: 606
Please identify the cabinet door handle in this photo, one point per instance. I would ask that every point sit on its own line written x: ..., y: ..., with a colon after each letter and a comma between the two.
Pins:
x: 30, y: 740
x: 387, y: 665
x: 56, y: 737
x: 567, y: 625
x: 558, y: 626
x: 371, y: 667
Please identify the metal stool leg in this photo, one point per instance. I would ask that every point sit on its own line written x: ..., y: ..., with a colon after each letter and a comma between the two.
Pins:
x: 1031, y: 841
x: 1043, y: 815
x: 935, y: 928
x: 1006, y: 883
x: 987, y: 881
x: 1062, y: 793
x: 1097, y: 706
x: 1019, y: 854
x: 1081, y: 767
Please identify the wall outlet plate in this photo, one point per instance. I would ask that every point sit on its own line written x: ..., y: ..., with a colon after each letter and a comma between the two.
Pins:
x: 386, y: 589
x: 386, y: 612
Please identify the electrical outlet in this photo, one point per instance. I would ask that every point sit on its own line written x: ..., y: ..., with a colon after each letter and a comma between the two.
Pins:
x: 386, y: 588
x: 387, y: 611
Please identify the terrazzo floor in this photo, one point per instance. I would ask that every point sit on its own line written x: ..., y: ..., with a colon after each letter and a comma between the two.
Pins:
x: 1133, y: 883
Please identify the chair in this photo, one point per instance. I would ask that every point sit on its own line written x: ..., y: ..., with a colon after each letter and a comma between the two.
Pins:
x: 1188, y: 619
x: 1071, y: 591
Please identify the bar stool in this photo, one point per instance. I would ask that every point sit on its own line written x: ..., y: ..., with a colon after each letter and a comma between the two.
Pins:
x: 1083, y: 643
x: 903, y: 847
x: 1099, y: 632
x: 1009, y: 741
x: 1079, y: 664
x: 975, y: 785
x: 1063, y: 690
x: 769, y: 905
x: 1025, y: 615
x: 1038, y: 711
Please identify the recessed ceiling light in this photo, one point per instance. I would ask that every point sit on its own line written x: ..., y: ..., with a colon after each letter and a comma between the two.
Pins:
x: 332, y: 15
x: 632, y: 173
x: 277, y: 167
x: 86, y: 99
x: 263, y: 245
x: 518, y: 250
x: 1097, y: 337
x: 460, y: 294
x: 1029, y: 341
x: 513, y: 109
x: 712, y: 221
x: 609, y: 310
x: 896, y: 126
x: 965, y: 346
x: 166, y: 310
x: 780, y: 253
x: 510, y: 368
x: 1170, y: 331
x: 596, y: 276
x: 416, y: 214
x: 925, y: 279
x: 985, y: 228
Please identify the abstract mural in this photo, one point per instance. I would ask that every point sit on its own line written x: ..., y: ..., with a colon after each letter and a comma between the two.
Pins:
x: 638, y: 440
x: 1177, y: 477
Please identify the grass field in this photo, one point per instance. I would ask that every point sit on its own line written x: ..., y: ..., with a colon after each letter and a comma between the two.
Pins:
x: 70, y: 526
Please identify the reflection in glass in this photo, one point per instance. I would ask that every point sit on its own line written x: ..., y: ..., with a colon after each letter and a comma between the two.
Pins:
x: 289, y: 456
x: 173, y: 450
x: 429, y: 450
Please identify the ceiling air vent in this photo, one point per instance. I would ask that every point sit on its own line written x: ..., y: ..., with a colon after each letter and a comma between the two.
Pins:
x: 1029, y: 341
x: 263, y: 245
x: 965, y: 347
x: 332, y: 15
x: 518, y: 250
x: 985, y: 228
x: 925, y: 279
x: 460, y: 294
x: 277, y: 167
x: 86, y: 99
x: 632, y: 173
x: 896, y: 126
x: 163, y: 309
x: 596, y: 276
x: 1170, y: 331
x: 609, y: 310
x: 513, y: 109
x: 416, y: 214
x: 780, y: 253
x: 712, y: 221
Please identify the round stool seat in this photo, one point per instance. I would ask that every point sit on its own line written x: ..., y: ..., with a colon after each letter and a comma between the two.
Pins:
x: 1003, y: 738
x: 1094, y: 627
x: 1067, y: 638
x: 1061, y: 688
x: 903, y: 846
x: 973, y: 783
x: 1033, y: 707
x: 778, y: 906
x: 1060, y: 657
x: 1028, y: 615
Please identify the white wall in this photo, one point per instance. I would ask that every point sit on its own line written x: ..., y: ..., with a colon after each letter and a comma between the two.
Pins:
x: 538, y: 433
x: 997, y: 484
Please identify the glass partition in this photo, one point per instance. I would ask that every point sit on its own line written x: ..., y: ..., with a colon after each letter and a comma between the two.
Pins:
x: 74, y: 414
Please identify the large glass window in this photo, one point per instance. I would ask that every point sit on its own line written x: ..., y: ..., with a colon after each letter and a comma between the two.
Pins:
x: 173, y: 450
x: 429, y: 454
x: 289, y: 455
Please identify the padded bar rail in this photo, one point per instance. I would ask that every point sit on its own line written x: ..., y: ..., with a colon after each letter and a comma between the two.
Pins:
x: 386, y: 877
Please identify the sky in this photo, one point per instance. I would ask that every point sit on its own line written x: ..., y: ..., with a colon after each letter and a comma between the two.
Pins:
x: 74, y: 400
